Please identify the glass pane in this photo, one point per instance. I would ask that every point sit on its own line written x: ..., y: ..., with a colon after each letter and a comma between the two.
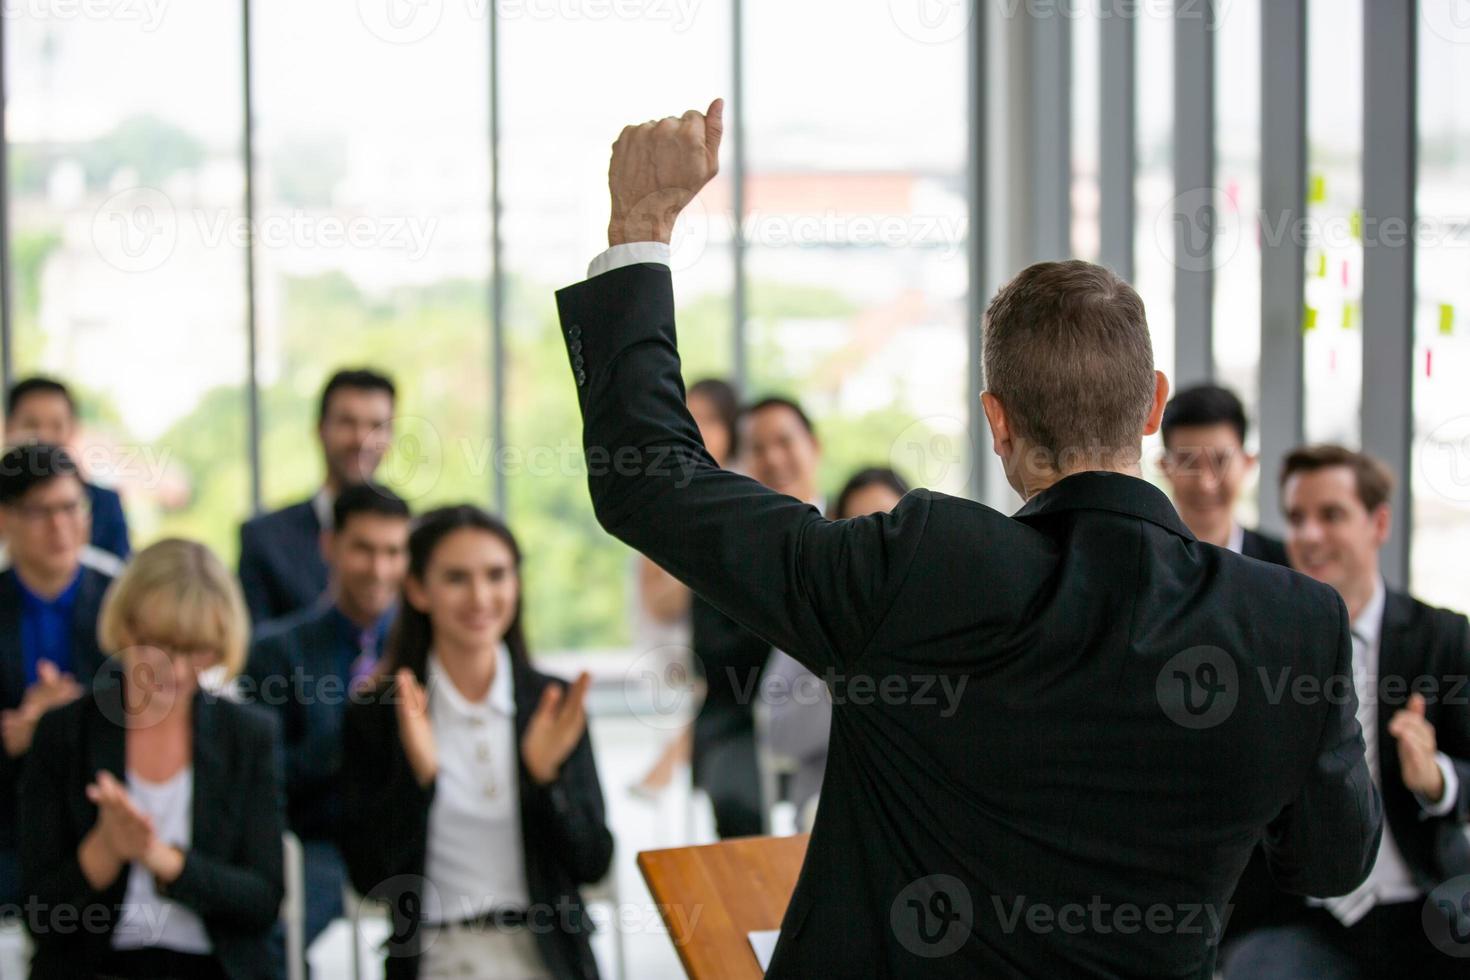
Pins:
x: 857, y: 262
x: 1237, y: 303
x: 1086, y: 107
x: 126, y: 188
x: 372, y: 237
x: 1153, y: 188
x: 1333, y: 354
x: 557, y: 128
x: 1441, y: 465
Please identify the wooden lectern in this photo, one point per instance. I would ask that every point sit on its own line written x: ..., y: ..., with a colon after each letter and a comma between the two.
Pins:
x: 712, y: 897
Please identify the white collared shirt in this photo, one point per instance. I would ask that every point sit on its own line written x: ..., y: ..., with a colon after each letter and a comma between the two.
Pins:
x: 1237, y: 538
x: 148, y: 920
x: 321, y: 506
x: 476, y: 853
x: 1390, y: 880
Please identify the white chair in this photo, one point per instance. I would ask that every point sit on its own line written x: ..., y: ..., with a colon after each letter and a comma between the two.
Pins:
x: 358, y: 908
x: 15, y: 949
x: 293, y: 907
x: 605, y: 892
x: 773, y: 766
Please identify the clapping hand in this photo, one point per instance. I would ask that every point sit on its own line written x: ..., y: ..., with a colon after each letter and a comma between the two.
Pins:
x: 555, y: 729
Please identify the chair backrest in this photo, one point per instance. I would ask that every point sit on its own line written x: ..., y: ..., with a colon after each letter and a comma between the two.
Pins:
x: 293, y: 906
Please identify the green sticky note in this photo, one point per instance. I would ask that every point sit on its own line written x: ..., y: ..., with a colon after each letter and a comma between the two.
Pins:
x: 1356, y: 220
x: 1349, y: 315
x: 1321, y: 265
x: 1446, y: 319
x: 1318, y: 191
x: 1309, y: 319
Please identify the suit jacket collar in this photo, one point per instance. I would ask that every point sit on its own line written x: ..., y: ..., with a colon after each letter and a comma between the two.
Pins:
x: 108, y: 751
x: 1117, y: 493
x: 1394, y: 650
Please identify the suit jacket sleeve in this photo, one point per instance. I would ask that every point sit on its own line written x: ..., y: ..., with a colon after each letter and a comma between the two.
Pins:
x: 384, y: 809
x: 253, y: 581
x: 1452, y: 721
x: 571, y: 811
x: 1324, y: 843
x: 813, y: 587
x: 244, y: 890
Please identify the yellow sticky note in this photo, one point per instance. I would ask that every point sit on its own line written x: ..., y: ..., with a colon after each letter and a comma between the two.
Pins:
x: 1356, y: 222
x: 1321, y: 265
x: 1309, y: 319
x: 1446, y: 319
x: 1318, y: 190
x: 1349, y: 314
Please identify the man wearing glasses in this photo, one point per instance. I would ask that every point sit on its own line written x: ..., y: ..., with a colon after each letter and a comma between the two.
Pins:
x: 49, y: 601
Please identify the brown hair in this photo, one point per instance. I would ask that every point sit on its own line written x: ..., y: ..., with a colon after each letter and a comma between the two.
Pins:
x: 1374, y: 480
x: 1067, y: 352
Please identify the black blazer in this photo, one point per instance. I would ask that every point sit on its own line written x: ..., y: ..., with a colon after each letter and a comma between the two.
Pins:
x: 109, y: 523
x: 1073, y: 769
x: 385, y: 832
x: 1263, y: 547
x: 294, y: 656
x: 86, y: 659
x: 232, y: 876
x: 281, y: 564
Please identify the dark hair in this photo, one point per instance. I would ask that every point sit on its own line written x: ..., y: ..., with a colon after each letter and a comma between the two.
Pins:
x: 1067, y: 353
x: 1204, y: 405
x: 1373, y: 480
x: 360, y: 379
x: 367, y: 498
x: 721, y: 394
x: 779, y: 401
x: 25, y: 467
x: 873, y: 476
x: 413, y: 634
x: 37, y: 386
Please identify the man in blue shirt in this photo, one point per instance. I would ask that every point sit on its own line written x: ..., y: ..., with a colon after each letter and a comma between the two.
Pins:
x: 307, y: 665
x: 49, y: 601
x: 43, y: 410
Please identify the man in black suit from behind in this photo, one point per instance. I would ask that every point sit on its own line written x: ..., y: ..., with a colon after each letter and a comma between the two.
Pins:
x: 49, y: 602
x: 1411, y: 665
x: 281, y: 564
x: 1050, y: 756
x: 1206, y: 464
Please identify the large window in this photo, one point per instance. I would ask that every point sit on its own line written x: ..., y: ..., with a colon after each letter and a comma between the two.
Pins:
x: 558, y: 127
x: 373, y: 237
x: 1153, y: 252
x: 1441, y: 463
x: 856, y: 226
x: 129, y: 282
x: 1333, y: 355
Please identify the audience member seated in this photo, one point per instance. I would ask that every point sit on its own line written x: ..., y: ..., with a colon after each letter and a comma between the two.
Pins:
x: 305, y: 666
x: 151, y: 809
x: 471, y: 799
x: 662, y: 616
x: 281, y: 564
x: 43, y: 410
x: 49, y: 603
x: 1410, y: 662
x: 1207, y: 464
x: 781, y: 450
x: 799, y: 706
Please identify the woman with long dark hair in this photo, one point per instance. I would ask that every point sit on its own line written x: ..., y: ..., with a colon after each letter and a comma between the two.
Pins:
x: 472, y: 804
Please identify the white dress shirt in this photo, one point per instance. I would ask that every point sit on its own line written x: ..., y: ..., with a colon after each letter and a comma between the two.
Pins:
x: 1237, y: 538
x: 631, y: 253
x: 148, y: 920
x: 476, y: 859
x: 1390, y: 880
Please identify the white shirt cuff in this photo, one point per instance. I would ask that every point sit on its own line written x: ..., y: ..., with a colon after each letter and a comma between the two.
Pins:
x: 629, y: 253
x: 1451, y: 789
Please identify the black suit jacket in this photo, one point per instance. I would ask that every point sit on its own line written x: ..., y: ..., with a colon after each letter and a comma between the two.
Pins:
x: 1263, y: 547
x: 86, y: 659
x: 385, y: 832
x: 109, y: 523
x: 281, y: 564
x: 965, y: 834
x: 232, y: 877
x: 295, y: 670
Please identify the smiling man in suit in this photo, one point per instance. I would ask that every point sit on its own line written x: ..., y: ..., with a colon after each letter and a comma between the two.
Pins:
x: 49, y: 602
x: 1083, y: 802
x: 1411, y: 664
x: 281, y: 564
